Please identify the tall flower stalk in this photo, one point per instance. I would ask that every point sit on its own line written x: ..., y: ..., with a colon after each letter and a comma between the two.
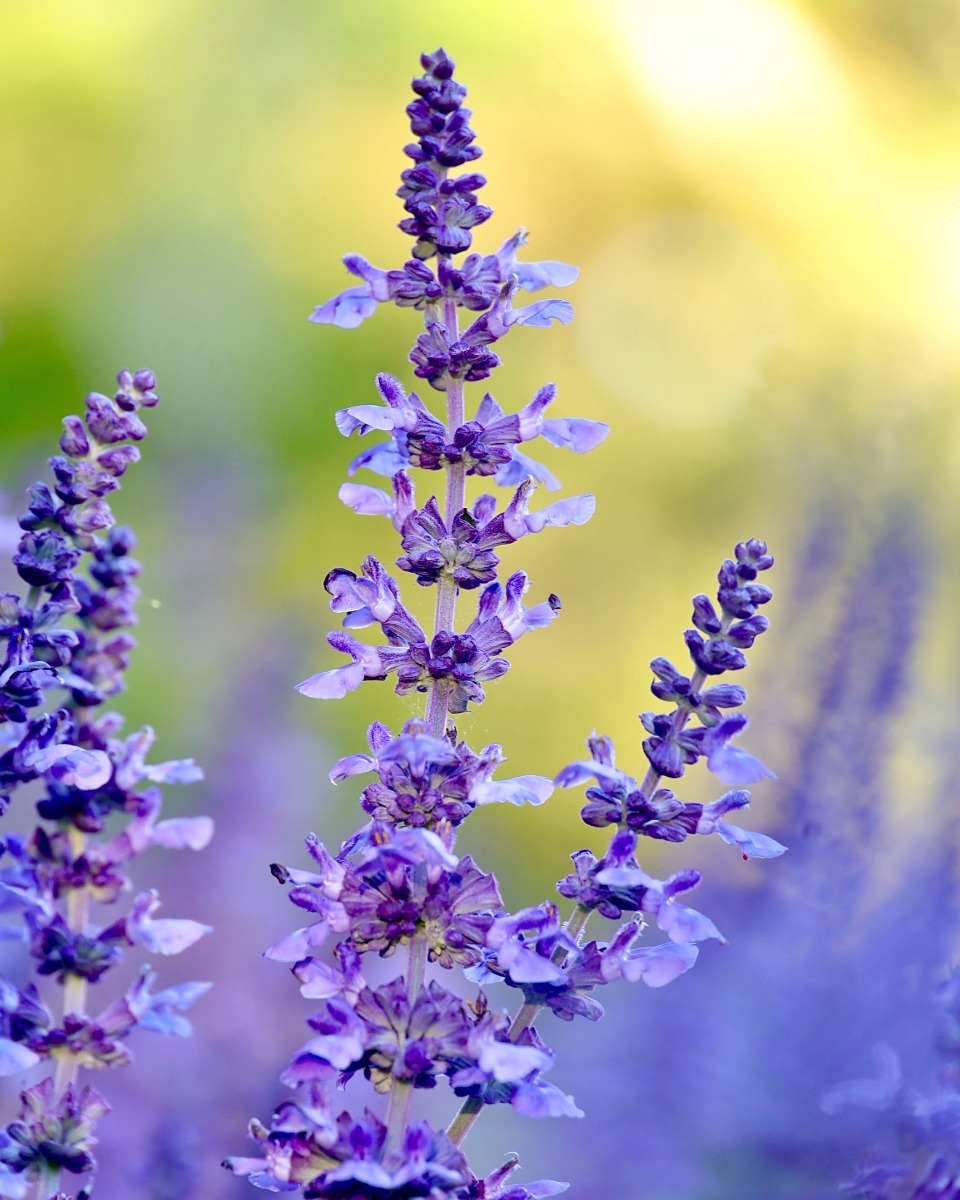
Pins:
x: 66, y: 645
x: 398, y: 884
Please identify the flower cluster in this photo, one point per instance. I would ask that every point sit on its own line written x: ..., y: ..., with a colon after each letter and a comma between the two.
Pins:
x: 398, y: 887
x: 66, y: 645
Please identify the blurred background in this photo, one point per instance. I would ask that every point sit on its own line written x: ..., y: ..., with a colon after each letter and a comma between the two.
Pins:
x: 764, y: 200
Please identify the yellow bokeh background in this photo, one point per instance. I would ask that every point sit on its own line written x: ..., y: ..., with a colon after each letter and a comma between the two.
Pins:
x: 763, y: 198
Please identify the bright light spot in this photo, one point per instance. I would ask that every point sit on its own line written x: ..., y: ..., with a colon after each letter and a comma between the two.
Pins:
x: 728, y: 60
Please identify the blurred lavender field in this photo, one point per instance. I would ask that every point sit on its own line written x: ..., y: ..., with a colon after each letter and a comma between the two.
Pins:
x: 764, y: 199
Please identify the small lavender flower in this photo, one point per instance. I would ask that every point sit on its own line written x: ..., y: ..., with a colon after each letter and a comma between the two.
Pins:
x: 68, y: 638
x: 397, y: 888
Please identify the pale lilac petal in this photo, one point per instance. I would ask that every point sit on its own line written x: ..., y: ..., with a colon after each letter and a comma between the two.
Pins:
x: 338, y: 1049
x: 657, y: 966
x: 367, y: 501
x: 15, y: 1058
x: 176, y: 770
x: 300, y: 944
x: 526, y: 966
x: 544, y: 1100
x: 170, y: 935
x: 384, y: 459
x: 682, y: 924
x: 579, y: 772
x: 717, y: 809
x: 333, y: 685
x: 752, y: 845
x: 163, y: 936
x: 364, y: 417
x: 574, y: 433
x: 576, y: 510
x: 522, y: 789
x: 532, y: 276
x: 183, y: 833
x: 736, y: 767
x: 521, y: 467
x: 346, y: 310
x: 542, y: 312
x: 507, y: 1062
x: 353, y: 764
x: 374, y: 277
x: 536, y: 617
x: 625, y: 876
x: 73, y: 767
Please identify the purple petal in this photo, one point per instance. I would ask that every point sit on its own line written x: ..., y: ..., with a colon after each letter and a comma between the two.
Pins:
x: 176, y: 770
x: 521, y: 467
x: 535, y: 275
x: 544, y: 1100
x: 164, y: 936
x: 682, y: 924
x: 526, y: 966
x: 507, y: 1062
x: 580, y: 772
x: 15, y: 1058
x: 576, y: 510
x: 736, y: 767
x: 752, y: 845
x: 384, y: 459
x: 183, y: 833
x: 542, y: 312
x: 332, y: 685
x: 346, y: 310
x: 367, y: 501
x: 73, y: 767
x: 522, y: 789
x: 574, y: 433
x: 657, y: 966
x: 364, y: 417
x: 300, y: 944
x: 353, y: 764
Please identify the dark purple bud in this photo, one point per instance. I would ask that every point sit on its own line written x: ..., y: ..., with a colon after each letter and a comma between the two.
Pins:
x: 108, y: 425
x: 705, y: 615
x: 715, y: 655
x: 744, y: 633
x: 665, y: 757
x: 724, y: 695
x: 116, y: 461
x: 74, y: 440
x: 42, y: 508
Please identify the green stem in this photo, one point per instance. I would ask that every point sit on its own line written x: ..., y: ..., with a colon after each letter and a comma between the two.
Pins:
x: 48, y: 1182
x: 438, y: 700
x: 74, y: 1002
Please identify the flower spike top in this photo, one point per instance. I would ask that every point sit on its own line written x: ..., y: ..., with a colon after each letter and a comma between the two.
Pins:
x: 398, y: 887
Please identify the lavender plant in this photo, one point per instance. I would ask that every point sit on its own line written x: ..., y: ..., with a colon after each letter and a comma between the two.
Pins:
x: 66, y: 646
x: 397, y: 883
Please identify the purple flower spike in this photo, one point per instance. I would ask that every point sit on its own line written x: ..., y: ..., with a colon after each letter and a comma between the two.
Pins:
x: 397, y: 887
x: 64, y: 649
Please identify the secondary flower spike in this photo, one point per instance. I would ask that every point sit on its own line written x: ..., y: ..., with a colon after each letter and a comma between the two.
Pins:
x: 67, y: 646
